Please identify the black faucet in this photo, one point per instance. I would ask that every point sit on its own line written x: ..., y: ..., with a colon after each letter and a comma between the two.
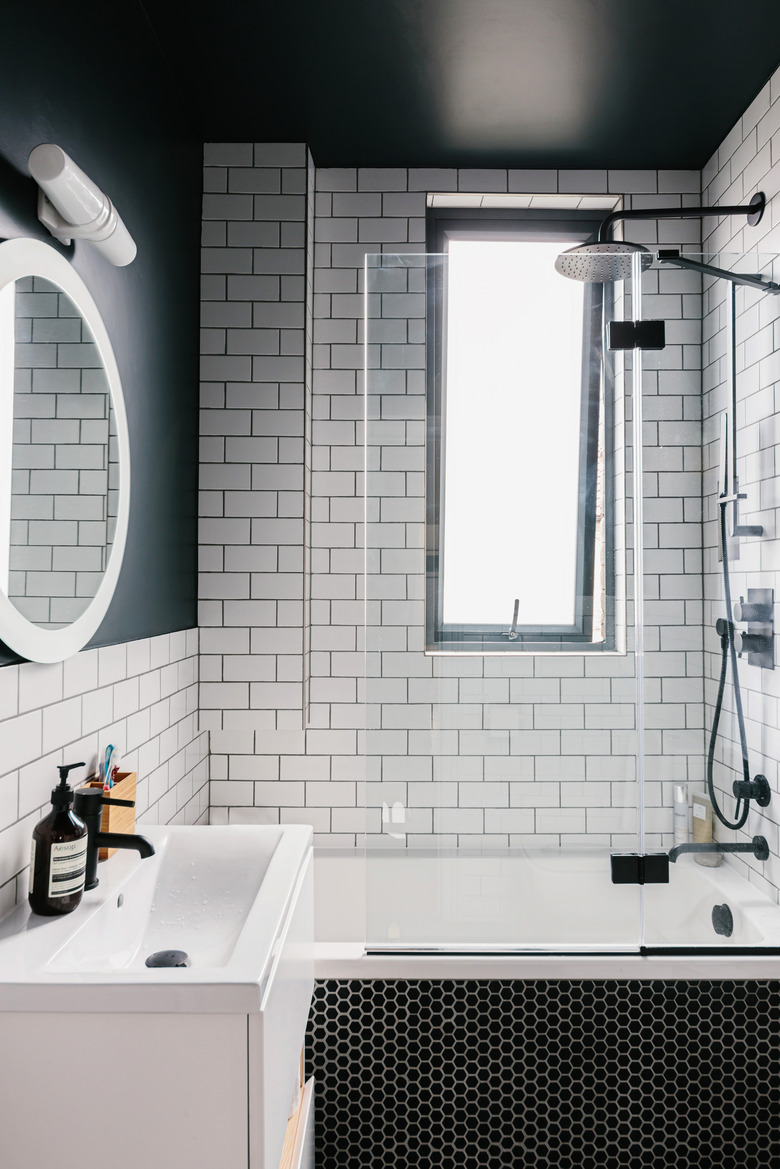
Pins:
x: 88, y: 804
x: 758, y: 846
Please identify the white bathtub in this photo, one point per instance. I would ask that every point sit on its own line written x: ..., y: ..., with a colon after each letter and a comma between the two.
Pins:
x: 534, y: 914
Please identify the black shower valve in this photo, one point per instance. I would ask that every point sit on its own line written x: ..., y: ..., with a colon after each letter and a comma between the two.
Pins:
x: 756, y: 789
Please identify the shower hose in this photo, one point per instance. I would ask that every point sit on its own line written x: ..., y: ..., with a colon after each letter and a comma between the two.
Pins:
x: 728, y: 650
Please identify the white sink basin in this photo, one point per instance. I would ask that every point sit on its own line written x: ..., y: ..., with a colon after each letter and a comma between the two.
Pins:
x: 221, y: 894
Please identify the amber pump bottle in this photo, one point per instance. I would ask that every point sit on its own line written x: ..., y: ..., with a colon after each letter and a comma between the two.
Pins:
x: 58, y: 860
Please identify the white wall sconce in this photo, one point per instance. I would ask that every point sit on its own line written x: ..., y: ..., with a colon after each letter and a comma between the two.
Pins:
x: 72, y: 207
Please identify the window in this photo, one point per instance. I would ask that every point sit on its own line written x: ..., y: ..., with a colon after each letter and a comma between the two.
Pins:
x: 518, y: 478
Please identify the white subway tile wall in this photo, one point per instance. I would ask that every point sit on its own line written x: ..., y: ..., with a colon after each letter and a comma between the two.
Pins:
x: 64, y: 464
x: 142, y: 696
x: 748, y: 161
x: 255, y: 461
x: 476, y: 750
x: 536, y: 751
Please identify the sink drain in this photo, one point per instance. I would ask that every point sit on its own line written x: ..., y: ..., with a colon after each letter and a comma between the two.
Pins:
x: 169, y: 958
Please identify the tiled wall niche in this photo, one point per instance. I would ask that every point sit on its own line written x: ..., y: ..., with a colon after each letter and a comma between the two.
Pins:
x: 567, y: 771
x: 142, y: 696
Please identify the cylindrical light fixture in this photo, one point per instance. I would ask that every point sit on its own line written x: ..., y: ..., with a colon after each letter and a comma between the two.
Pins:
x: 71, y: 206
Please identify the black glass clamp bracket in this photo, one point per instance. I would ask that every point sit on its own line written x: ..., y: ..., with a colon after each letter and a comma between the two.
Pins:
x: 636, y: 335
x: 637, y: 868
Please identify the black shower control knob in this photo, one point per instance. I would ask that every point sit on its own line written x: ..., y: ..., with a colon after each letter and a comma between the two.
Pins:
x: 745, y: 611
x: 757, y: 789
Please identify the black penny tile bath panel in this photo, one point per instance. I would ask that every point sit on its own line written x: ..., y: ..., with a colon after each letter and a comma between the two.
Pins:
x: 546, y: 1074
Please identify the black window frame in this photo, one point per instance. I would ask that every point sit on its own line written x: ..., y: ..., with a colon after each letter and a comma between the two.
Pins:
x: 544, y: 225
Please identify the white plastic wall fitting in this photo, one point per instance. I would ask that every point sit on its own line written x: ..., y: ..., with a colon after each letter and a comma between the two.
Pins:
x: 72, y: 207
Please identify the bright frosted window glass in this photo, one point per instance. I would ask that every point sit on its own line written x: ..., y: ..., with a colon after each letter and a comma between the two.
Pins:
x: 512, y: 423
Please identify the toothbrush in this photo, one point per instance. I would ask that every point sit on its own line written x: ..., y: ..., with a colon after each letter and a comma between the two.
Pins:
x: 108, y: 782
x: 116, y: 759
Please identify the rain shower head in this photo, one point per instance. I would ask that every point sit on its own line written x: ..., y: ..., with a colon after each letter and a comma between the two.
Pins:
x: 602, y: 263
x: 605, y: 260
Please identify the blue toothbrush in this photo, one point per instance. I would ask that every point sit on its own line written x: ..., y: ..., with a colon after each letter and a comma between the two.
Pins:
x: 108, y: 782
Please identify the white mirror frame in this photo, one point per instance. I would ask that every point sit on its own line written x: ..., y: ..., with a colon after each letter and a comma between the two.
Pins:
x: 28, y: 257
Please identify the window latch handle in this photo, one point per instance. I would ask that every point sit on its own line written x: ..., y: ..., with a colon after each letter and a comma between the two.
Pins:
x: 512, y: 632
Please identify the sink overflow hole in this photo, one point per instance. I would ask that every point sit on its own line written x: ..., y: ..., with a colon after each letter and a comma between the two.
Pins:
x: 120, y: 900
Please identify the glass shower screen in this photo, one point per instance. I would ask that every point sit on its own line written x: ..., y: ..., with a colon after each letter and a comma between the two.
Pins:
x: 501, y: 740
x: 710, y: 691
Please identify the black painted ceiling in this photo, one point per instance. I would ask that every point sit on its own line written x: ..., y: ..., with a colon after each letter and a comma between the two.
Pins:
x: 577, y: 83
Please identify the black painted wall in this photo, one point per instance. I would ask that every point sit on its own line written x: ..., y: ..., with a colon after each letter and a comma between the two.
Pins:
x: 94, y: 81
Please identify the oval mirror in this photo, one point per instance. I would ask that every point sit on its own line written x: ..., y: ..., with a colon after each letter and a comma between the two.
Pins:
x: 64, y: 457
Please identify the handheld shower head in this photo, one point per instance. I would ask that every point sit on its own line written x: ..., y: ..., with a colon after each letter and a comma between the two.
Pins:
x: 601, y: 263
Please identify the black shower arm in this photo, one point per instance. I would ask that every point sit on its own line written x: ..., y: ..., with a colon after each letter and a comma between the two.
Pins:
x: 754, y: 210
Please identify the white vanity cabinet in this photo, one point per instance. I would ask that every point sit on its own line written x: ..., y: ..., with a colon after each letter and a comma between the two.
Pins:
x: 164, y: 1085
x: 276, y: 1032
